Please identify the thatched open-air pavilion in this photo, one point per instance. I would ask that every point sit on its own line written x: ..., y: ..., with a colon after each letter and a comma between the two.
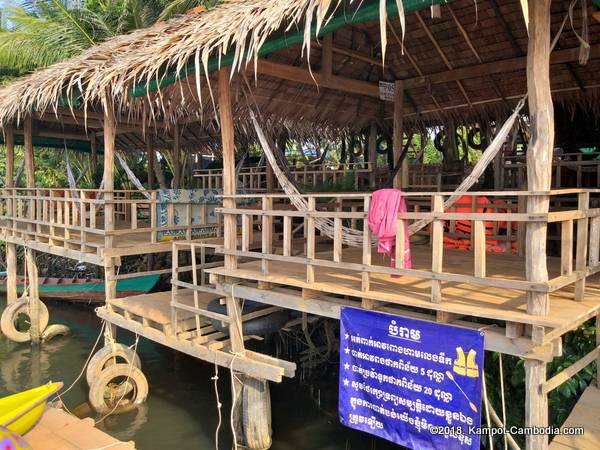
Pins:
x: 260, y: 73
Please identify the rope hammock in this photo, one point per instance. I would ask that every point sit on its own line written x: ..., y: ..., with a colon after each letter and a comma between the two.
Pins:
x: 353, y: 237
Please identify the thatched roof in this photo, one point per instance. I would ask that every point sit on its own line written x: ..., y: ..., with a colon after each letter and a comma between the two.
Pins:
x: 468, y: 65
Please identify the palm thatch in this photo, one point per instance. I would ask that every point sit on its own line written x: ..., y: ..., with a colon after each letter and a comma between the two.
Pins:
x: 187, y: 45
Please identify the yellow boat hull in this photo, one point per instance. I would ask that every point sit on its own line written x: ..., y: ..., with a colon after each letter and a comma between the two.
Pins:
x: 20, y: 412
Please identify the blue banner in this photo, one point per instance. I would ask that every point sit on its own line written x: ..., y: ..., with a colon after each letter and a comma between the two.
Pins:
x: 412, y: 382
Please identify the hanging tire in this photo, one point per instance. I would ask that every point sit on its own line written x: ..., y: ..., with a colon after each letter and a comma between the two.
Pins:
x: 256, y: 413
x: 53, y: 331
x: 10, y: 316
x: 471, y: 139
x: 108, y: 356
x: 118, y: 386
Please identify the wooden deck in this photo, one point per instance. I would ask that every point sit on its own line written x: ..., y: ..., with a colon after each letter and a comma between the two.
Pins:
x: 60, y: 430
x: 461, y: 298
x: 585, y: 414
x: 150, y: 316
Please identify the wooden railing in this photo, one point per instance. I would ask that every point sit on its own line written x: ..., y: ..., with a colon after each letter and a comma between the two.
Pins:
x: 75, y: 219
x: 501, y: 218
x: 254, y: 179
x: 570, y: 170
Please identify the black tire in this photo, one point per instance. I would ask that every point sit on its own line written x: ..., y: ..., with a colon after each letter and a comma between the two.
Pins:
x: 379, y: 148
x: 11, y: 314
x: 107, y: 356
x: 106, y: 390
x: 261, y: 326
x: 256, y: 413
x: 471, y: 139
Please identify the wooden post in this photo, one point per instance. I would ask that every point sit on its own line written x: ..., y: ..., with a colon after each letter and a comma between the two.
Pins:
x: 539, y: 174
x: 539, y: 153
x: 230, y: 230
x: 29, y: 167
x: 582, y: 244
x: 327, y: 57
x: 437, y: 248
x: 270, y: 177
x: 34, y: 306
x: 372, y: 156
x: 176, y: 158
x: 94, y: 153
x: 11, y: 249
x: 151, y: 154
x: 29, y: 158
x: 399, y: 181
x: 109, y: 187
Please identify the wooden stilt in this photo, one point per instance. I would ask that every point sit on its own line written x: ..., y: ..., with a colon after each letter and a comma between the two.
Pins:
x: 11, y: 249
x: 536, y: 402
x: 34, y: 305
x: 230, y: 238
x: 399, y: 182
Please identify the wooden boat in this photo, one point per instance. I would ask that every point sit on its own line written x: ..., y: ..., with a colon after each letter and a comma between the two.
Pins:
x: 20, y: 412
x: 85, y: 290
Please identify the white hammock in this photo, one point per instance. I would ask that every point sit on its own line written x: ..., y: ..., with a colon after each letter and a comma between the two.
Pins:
x: 354, y: 237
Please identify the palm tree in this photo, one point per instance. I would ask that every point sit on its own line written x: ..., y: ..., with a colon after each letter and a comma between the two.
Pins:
x: 42, y: 32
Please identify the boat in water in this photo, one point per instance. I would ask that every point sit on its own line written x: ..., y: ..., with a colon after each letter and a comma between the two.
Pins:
x: 84, y: 290
x: 20, y: 412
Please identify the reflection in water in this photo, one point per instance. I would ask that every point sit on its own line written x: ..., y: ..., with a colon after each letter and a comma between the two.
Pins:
x: 181, y: 409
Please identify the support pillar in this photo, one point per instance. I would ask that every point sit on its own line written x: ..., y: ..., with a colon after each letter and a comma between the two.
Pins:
x: 29, y: 168
x: 399, y: 182
x: 539, y: 172
x: 372, y: 156
x: 94, y: 153
x: 539, y: 153
x: 229, y: 234
x: 110, y: 285
x: 176, y: 158
x: 151, y: 154
x: 11, y: 249
x: 34, y: 295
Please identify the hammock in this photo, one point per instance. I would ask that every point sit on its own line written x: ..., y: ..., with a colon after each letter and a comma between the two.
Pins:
x: 136, y: 182
x: 354, y: 237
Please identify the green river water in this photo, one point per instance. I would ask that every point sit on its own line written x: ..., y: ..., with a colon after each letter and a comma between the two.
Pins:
x: 181, y: 409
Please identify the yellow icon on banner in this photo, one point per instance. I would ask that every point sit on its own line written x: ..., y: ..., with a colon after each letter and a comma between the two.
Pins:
x: 465, y: 365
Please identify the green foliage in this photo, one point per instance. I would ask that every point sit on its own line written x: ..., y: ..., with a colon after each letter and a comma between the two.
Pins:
x: 576, y: 344
x: 43, y: 32
x: 346, y: 184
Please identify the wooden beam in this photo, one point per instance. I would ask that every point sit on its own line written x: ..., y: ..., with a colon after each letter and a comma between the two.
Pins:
x: 441, y: 53
x: 299, y: 75
x: 327, y: 57
x: 495, y: 67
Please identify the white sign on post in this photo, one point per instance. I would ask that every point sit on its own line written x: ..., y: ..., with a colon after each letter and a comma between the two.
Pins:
x: 386, y: 91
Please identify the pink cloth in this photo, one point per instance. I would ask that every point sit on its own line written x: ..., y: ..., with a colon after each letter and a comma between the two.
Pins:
x: 383, y: 213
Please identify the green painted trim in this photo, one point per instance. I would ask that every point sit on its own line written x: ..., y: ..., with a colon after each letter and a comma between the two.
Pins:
x: 49, y: 142
x: 367, y: 12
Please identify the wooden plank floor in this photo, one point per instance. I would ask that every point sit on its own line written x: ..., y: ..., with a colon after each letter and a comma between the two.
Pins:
x: 457, y: 297
x: 60, y: 430
x: 586, y: 414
